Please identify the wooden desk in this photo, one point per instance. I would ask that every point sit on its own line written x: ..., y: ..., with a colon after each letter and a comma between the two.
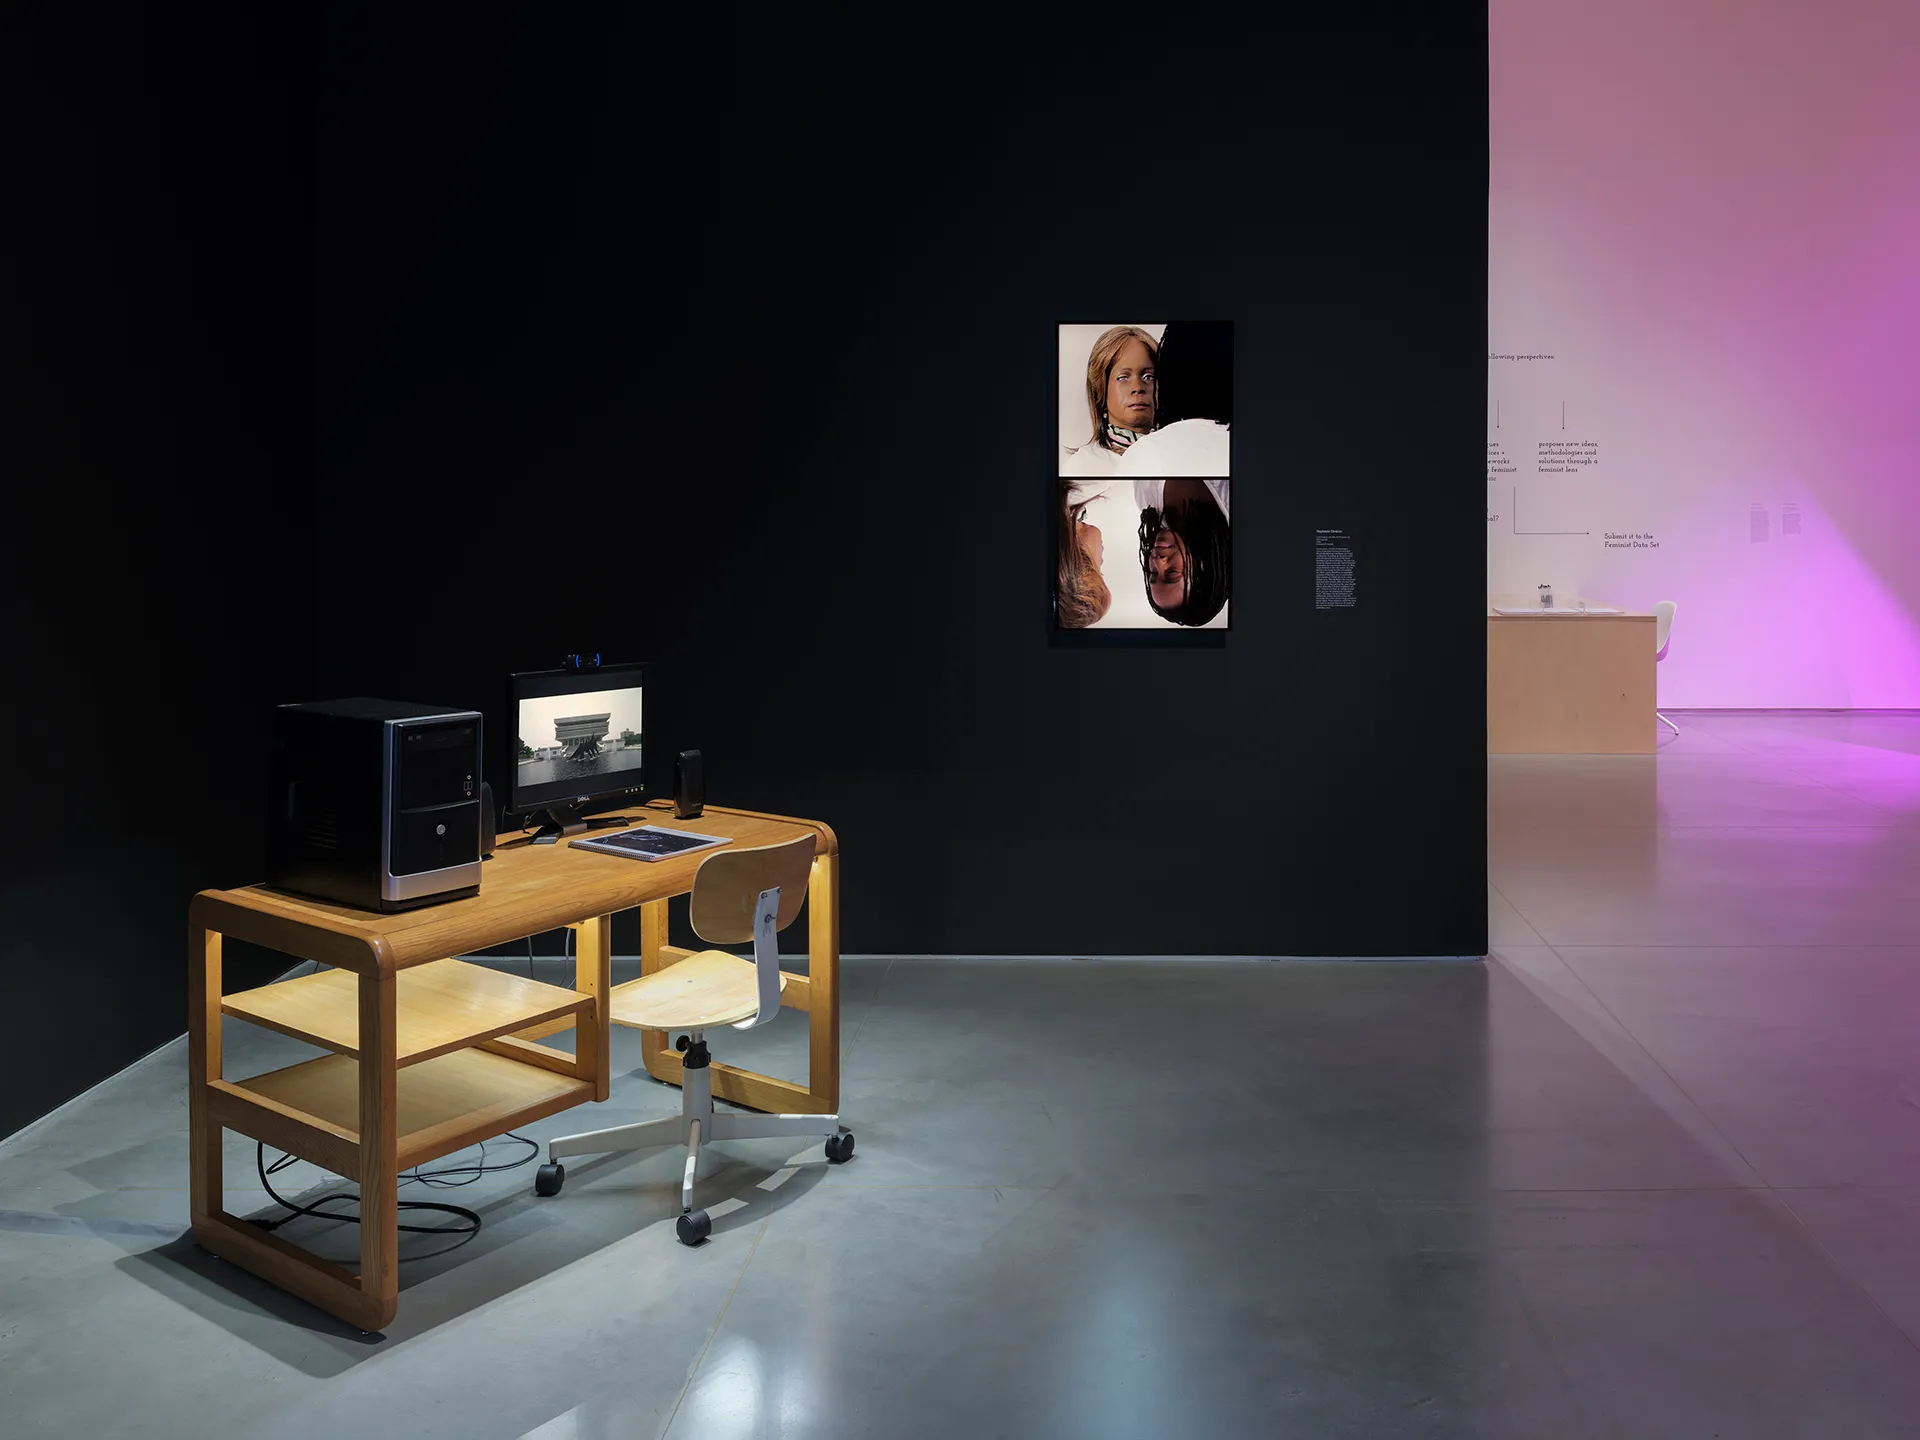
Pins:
x: 431, y: 1054
x: 1570, y: 684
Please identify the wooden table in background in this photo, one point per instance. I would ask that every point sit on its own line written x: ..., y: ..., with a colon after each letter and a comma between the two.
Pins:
x: 1570, y: 685
x: 431, y: 1054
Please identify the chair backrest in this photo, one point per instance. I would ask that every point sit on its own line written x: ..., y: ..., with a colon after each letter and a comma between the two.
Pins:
x: 729, y: 882
x: 1662, y: 627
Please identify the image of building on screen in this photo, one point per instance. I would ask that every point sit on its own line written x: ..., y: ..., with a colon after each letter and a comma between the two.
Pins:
x: 588, y: 736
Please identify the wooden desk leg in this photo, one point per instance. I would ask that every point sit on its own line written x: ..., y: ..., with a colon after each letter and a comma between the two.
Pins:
x: 206, y: 1182
x: 368, y: 1300
x: 379, y: 1154
x: 593, y: 975
x: 823, y: 979
x: 653, y: 1043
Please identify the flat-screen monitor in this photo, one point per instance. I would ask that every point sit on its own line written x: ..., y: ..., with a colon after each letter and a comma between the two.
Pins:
x: 576, y: 743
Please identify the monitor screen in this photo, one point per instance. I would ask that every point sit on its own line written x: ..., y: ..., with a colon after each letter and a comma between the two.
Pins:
x: 577, y: 737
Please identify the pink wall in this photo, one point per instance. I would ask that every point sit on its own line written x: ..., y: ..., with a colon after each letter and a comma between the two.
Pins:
x: 1708, y: 213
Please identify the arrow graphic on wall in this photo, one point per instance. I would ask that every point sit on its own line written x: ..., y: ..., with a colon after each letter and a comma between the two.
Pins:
x: 1516, y: 521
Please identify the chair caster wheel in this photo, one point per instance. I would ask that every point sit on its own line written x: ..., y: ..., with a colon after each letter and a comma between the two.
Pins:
x: 840, y: 1147
x: 548, y: 1179
x: 693, y: 1227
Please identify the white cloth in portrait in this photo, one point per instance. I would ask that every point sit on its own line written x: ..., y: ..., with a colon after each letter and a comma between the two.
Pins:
x: 1184, y: 448
x: 1088, y: 461
x: 1147, y: 493
x: 1095, y: 458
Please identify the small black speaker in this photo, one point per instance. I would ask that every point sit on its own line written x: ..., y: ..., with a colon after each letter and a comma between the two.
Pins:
x: 689, y: 785
x: 489, y: 820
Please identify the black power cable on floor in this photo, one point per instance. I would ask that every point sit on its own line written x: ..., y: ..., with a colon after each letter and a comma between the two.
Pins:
x: 437, y: 1179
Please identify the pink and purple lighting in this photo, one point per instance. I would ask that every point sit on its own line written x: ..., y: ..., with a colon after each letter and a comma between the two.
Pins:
x: 1708, y: 211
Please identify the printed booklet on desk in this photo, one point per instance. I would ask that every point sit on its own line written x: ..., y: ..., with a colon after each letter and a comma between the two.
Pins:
x: 650, y: 842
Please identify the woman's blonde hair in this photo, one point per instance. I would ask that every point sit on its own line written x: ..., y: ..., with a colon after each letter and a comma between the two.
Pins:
x: 1100, y: 370
x: 1080, y: 594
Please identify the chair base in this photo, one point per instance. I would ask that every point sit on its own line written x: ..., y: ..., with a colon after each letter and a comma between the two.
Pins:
x: 696, y: 1123
x: 1666, y: 722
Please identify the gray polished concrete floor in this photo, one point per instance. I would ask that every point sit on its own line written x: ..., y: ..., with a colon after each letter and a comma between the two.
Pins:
x: 1653, y: 1170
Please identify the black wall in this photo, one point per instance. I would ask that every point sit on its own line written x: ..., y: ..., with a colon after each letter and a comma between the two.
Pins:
x: 733, y: 351
x: 156, y: 368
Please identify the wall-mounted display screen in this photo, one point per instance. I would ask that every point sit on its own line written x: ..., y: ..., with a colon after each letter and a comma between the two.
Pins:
x: 1143, y: 489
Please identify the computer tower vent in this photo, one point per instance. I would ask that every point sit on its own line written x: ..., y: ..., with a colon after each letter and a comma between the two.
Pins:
x: 321, y: 829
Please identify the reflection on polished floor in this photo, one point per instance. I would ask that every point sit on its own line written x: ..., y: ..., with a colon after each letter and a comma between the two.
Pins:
x: 1653, y: 1170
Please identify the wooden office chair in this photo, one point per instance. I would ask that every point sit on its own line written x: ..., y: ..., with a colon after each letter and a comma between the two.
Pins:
x: 737, y: 895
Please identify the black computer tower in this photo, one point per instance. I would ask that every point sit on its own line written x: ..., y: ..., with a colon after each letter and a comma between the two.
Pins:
x: 375, y: 803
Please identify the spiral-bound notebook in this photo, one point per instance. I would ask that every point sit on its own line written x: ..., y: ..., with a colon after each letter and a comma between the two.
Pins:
x: 650, y: 842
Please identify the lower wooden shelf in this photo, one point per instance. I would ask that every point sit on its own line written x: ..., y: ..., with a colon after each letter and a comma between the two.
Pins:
x: 444, y: 1104
x: 441, y: 1006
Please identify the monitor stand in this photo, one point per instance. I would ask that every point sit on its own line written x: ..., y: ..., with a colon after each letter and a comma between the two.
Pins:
x: 559, y: 820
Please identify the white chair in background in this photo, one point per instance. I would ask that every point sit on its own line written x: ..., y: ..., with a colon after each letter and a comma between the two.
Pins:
x: 1662, y: 638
